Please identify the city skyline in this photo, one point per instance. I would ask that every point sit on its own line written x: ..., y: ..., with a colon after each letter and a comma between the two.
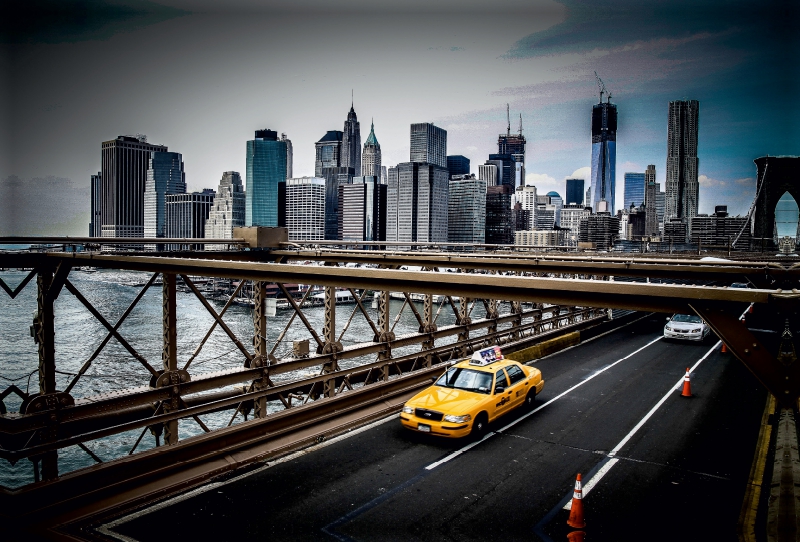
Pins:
x: 537, y: 56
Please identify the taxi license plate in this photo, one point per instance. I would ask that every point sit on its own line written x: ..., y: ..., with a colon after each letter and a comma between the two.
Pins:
x: 424, y: 428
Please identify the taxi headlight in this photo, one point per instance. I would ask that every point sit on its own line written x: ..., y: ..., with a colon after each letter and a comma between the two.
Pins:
x: 697, y: 330
x: 668, y: 328
x: 457, y: 419
x: 408, y: 410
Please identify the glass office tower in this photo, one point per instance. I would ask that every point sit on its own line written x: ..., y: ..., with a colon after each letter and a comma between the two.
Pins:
x: 165, y: 175
x: 604, y: 156
x: 266, y: 167
x: 575, y: 191
x: 634, y: 190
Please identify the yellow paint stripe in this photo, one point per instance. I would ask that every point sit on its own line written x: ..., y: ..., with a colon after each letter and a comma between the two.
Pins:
x: 752, y: 496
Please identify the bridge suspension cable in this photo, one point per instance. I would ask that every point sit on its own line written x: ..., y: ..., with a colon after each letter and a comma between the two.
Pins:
x: 760, y: 186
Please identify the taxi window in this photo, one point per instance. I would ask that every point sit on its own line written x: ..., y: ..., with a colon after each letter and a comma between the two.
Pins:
x: 500, y: 379
x: 515, y: 374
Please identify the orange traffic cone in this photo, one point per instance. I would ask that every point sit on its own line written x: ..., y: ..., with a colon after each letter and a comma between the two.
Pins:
x: 750, y: 309
x: 724, y: 348
x: 576, y: 536
x: 687, y: 386
x: 576, y: 512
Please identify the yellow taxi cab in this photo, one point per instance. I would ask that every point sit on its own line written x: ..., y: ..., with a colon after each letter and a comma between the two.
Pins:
x: 472, y: 393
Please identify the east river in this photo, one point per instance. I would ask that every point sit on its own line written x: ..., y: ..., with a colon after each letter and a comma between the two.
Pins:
x: 78, y: 334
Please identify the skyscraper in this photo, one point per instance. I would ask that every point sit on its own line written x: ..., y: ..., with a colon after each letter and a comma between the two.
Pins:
x: 575, y: 191
x: 457, y: 165
x: 334, y: 178
x: 227, y: 210
x: 95, y: 197
x: 417, y: 197
x: 634, y: 189
x: 371, y: 157
x: 429, y: 144
x: 123, y: 174
x: 289, y: 156
x: 328, y: 151
x: 362, y: 206
x: 490, y: 172
x: 466, y: 211
x: 682, y: 187
x: 186, y: 216
x: 499, y: 225
x: 351, y: 142
x: 165, y: 175
x: 526, y: 196
x: 604, y: 155
x: 302, y: 208
x: 507, y: 168
x: 650, y: 202
x: 514, y: 144
x: 266, y: 167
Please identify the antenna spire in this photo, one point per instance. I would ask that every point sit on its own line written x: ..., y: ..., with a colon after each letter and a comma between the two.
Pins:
x: 508, y: 119
x: 520, y: 124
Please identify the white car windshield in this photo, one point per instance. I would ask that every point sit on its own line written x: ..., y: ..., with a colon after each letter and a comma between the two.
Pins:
x: 688, y: 318
x: 466, y: 379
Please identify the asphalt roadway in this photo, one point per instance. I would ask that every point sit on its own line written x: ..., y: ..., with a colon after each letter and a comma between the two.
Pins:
x: 679, y: 474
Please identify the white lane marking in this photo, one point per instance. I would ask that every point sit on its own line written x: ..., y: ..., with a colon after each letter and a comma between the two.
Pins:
x: 604, y: 470
x: 106, y: 528
x: 534, y: 411
x: 596, y: 478
x: 457, y: 452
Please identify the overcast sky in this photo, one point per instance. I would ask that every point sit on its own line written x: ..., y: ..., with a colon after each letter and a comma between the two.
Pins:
x: 200, y: 78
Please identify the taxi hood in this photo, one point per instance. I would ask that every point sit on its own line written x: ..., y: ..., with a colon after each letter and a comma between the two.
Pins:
x: 446, y: 400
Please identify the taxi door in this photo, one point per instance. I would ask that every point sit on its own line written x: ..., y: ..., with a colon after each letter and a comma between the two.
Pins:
x: 501, y: 399
x: 518, y: 385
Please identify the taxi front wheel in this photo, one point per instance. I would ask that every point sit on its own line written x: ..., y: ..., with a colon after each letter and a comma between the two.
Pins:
x: 480, y: 426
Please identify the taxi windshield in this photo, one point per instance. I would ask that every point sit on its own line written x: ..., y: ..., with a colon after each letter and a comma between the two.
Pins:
x: 466, y: 379
x: 689, y: 318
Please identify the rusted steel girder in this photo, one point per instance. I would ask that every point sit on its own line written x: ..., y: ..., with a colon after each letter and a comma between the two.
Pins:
x: 667, y: 298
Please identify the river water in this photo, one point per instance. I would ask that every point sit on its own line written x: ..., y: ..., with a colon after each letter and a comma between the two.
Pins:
x: 78, y: 334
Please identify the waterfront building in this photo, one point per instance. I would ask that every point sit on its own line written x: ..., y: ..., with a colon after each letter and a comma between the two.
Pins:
x: 362, y: 206
x: 650, y: 196
x: 506, y: 168
x: 371, y: 156
x: 604, y: 156
x: 499, y: 225
x: 123, y: 173
x: 622, y: 215
x: 429, y: 144
x: 681, y: 186
x: 328, y: 151
x: 266, y: 167
x: 95, y: 197
x: 186, y: 216
x: 302, y: 208
x: 165, y: 175
x: 289, y: 156
x: 417, y: 198
x: 488, y: 172
x: 466, y: 211
x: 520, y: 218
x: 574, y: 192
x: 599, y: 229
x: 571, y: 216
x: 457, y: 165
x: 227, y: 210
x: 351, y: 142
x: 675, y: 231
x: 541, y: 238
x: 634, y: 189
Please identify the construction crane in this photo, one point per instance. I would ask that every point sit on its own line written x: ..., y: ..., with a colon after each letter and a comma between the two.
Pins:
x: 601, y: 87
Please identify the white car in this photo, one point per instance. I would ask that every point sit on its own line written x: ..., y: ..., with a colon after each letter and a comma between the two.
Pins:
x: 687, y: 327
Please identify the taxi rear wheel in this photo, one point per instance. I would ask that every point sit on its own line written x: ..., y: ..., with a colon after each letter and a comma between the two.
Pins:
x: 480, y: 426
x: 530, y: 399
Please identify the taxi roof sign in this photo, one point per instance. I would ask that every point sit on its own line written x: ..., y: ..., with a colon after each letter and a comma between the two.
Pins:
x: 486, y: 356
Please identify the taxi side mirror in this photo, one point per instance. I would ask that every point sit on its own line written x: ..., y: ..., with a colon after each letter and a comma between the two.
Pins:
x: 499, y: 389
